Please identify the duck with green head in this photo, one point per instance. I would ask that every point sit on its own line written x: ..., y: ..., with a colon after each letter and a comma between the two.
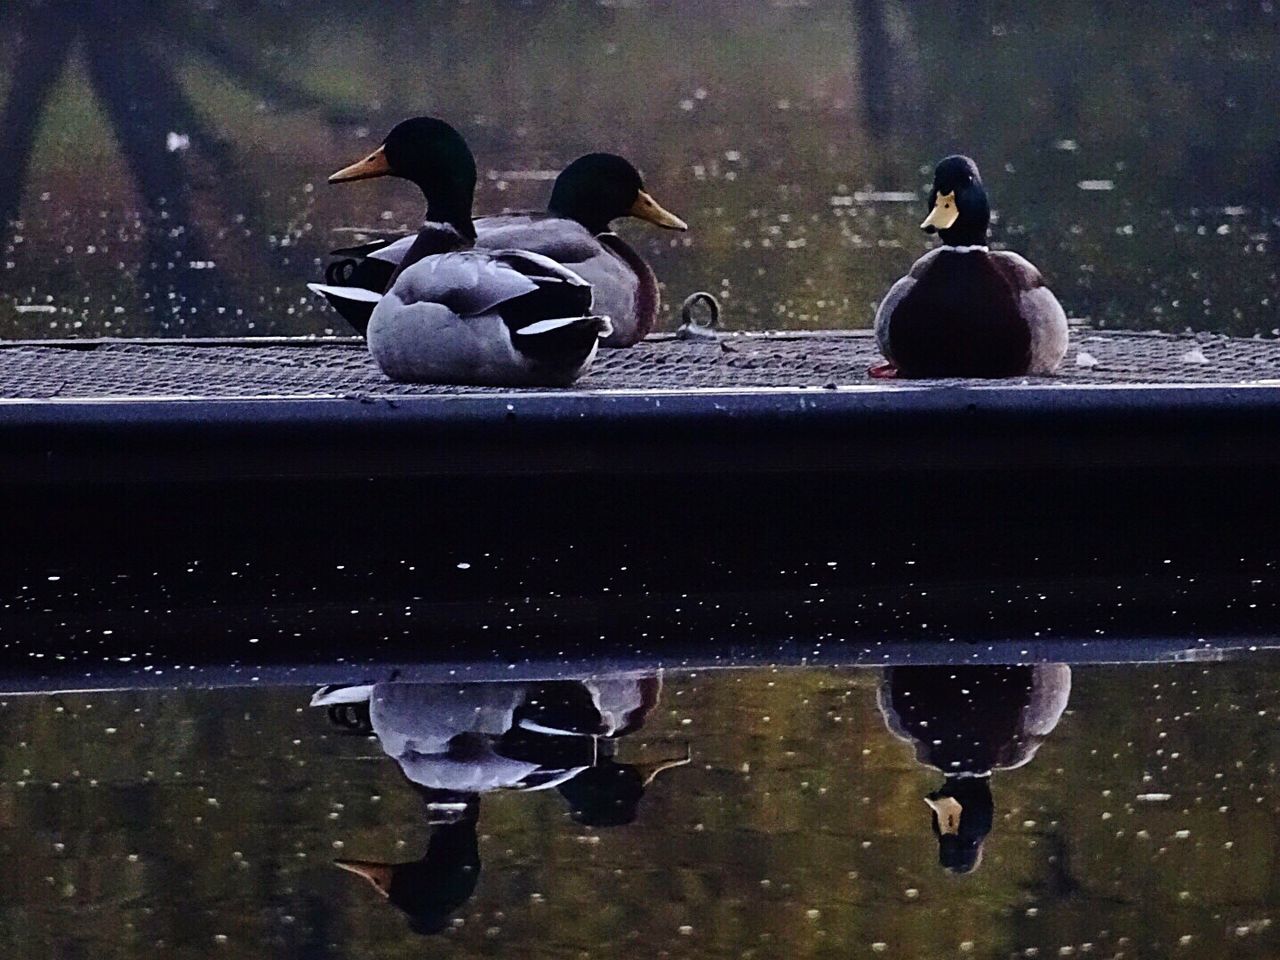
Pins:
x: 575, y: 230
x: 455, y: 314
x: 964, y: 310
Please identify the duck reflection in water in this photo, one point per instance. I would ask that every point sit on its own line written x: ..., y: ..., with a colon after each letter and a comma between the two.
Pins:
x: 968, y: 722
x: 456, y: 742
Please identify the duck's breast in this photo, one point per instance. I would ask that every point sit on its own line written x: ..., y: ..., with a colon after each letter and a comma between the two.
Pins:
x: 961, y: 318
x: 629, y: 289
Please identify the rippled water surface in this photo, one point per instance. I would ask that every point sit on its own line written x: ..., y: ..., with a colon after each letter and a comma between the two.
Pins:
x: 164, y: 161
x: 926, y: 811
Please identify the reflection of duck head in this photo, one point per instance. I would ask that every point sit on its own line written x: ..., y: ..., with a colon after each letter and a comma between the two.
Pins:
x: 962, y: 815
x: 968, y: 722
x: 429, y: 890
x: 609, y: 793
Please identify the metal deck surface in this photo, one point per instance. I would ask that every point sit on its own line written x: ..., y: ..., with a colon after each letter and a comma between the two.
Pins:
x: 342, y: 368
x: 213, y: 410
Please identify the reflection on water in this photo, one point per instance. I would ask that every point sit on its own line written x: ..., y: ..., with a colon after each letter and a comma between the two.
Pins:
x: 1137, y: 820
x: 967, y: 722
x: 457, y: 742
x: 164, y: 161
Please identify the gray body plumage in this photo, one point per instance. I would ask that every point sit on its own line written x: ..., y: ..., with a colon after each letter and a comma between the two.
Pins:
x: 614, y: 284
x: 440, y: 322
x: 442, y: 735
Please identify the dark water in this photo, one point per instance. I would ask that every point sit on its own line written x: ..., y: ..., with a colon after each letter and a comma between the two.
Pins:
x: 1130, y: 811
x: 162, y: 162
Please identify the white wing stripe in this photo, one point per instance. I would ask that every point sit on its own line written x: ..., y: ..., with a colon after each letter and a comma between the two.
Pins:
x: 345, y: 293
x: 546, y: 326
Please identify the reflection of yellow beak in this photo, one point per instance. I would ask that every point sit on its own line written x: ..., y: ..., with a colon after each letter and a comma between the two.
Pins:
x: 378, y: 874
x: 943, y: 214
x: 374, y: 165
x: 948, y: 810
x: 647, y: 208
x: 649, y: 771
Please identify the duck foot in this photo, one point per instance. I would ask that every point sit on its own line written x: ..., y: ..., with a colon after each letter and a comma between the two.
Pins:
x: 883, y: 371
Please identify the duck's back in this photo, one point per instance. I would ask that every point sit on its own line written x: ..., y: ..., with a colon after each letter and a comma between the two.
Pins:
x: 624, y: 287
x: 960, y: 318
x: 565, y: 241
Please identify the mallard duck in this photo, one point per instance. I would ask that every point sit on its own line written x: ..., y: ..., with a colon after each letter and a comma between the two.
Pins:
x: 967, y: 722
x: 575, y: 230
x: 454, y: 314
x: 964, y: 310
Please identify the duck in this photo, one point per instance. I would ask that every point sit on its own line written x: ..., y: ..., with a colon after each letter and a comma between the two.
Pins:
x: 575, y: 230
x: 967, y: 722
x: 476, y: 738
x: 964, y: 310
x: 457, y: 742
x: 454, y: 314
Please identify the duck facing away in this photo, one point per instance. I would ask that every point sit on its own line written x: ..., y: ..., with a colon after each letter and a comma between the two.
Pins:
x: 575, y: 230
x: 452, y: 314
x: 963, y: 310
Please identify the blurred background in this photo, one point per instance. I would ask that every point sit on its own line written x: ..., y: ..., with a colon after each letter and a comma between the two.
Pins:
x: 163, y: 162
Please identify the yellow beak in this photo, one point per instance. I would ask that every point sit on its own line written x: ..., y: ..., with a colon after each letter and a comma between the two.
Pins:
x: 647, y: 208
x: 378, y: 874
x: 649, y: 771
x: 374, y: 165
x: 948, y: 810
x: 943, y: 214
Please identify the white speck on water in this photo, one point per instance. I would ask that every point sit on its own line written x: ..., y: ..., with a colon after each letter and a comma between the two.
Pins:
x: 1097, y: 184
x: 1086, y: 360
x: 175, y: 141
x: 885, y: 196
x: 1182, y: 834
x: 464, y: 566
x: 1155, y: 797
x: 35, y: 308
x: 1069, y: 146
